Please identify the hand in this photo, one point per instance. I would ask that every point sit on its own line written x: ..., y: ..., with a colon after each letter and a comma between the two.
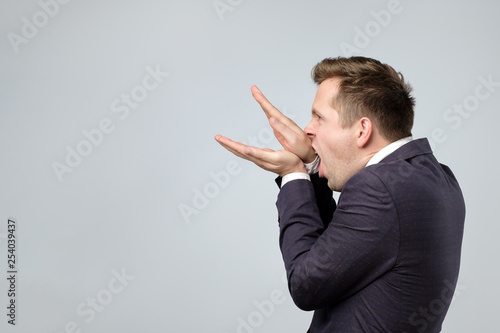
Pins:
x: 288, y: 133
x: 281, y: 162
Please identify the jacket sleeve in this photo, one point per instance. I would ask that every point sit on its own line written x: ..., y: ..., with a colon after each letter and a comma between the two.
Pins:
x: 326, y: 264
x: 324, y: 197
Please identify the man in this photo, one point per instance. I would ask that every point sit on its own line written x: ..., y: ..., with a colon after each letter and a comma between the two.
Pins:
x: 386, y: 258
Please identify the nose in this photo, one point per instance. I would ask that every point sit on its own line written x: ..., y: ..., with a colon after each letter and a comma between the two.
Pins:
x: 309, y: 130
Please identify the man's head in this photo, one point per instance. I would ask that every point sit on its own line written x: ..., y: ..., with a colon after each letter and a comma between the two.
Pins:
x: 361, y: 106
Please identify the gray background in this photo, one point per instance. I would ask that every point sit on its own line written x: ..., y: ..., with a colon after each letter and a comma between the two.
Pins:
x: 218, y: 268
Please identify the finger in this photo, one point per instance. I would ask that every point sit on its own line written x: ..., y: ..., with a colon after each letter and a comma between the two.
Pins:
x: 229, y: 144
x: 266, y: 106
x: 267, y: 159
x: 234, y: 147
x: 271, y: 111
x: 280, y: 127
x: 252, y: 154
x: 285, y: 135
x: 262, y: 157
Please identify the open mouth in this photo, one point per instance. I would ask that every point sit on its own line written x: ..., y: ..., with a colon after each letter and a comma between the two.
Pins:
x: 320, y: 166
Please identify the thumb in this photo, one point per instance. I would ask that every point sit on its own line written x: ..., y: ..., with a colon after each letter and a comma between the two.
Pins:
x: 281, y: 132
x: 277, y: 125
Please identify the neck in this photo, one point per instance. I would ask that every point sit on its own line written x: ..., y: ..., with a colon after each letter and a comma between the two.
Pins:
x: 373, y: 146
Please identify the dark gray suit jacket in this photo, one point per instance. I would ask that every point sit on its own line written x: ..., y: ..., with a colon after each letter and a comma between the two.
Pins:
x: 386, y: 259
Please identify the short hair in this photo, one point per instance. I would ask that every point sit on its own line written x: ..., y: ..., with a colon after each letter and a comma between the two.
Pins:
x: 369, y: 88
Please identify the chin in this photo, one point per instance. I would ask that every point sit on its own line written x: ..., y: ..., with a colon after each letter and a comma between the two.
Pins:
x: 334, y: 185
x: 331, y: 185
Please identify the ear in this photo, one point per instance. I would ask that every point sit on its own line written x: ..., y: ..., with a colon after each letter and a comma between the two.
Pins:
x: 364, y: 132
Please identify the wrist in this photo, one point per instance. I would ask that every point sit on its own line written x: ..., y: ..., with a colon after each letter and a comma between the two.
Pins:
x: 299, y: 168
x: 309, y: 157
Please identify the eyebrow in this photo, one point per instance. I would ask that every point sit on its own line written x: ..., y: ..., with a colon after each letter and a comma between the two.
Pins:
x: 315, y: 112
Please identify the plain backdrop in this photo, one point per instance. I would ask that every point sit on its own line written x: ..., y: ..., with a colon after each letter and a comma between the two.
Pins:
x: 131, y: 218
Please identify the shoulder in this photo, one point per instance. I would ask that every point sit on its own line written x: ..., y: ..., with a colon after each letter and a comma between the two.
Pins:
x: 380, y: 182
x: 366, y: 190
x: 369, y: 178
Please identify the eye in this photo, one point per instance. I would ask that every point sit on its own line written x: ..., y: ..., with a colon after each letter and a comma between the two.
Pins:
x: 316, y: 116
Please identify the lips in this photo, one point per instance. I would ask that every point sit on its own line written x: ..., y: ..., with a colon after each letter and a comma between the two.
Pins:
x: 320, y: 169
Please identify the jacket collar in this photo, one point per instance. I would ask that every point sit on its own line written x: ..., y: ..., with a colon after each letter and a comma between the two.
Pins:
x: 409, y: 150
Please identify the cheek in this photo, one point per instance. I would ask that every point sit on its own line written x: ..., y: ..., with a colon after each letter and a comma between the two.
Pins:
x: 329, y: 142
x: 338, y: 146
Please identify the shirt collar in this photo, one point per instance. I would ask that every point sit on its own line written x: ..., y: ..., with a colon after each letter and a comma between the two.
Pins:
x: 389, y: 149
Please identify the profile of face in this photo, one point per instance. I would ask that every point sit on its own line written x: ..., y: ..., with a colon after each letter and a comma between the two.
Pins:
x: 336, y: 146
